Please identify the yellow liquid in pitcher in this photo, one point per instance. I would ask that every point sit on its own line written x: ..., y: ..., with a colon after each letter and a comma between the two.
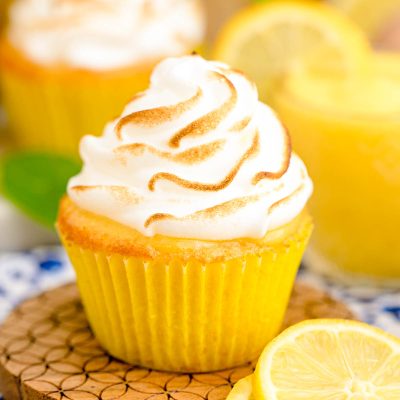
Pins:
x: 348, y: 134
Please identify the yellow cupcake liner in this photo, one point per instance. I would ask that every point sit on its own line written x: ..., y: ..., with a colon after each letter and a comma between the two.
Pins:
x: 53, y: 111
x: 186, y: 317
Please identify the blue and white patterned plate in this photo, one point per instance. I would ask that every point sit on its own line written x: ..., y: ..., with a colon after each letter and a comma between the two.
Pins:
x: 25, y: 274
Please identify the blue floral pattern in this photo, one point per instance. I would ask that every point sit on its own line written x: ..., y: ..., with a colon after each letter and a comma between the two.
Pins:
x: 24, y: 275
x: 374, y: 305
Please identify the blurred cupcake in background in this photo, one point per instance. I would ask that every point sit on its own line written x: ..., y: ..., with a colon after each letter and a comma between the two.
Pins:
x: 69, y: 66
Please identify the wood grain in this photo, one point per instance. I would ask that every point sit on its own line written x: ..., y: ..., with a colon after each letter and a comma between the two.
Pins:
x: 47, y: 351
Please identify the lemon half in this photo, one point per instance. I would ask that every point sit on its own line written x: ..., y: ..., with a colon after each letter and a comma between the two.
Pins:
x: 267, y: 41
x: 329, y: 360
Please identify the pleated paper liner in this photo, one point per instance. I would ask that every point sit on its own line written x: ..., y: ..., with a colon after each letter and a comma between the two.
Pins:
x: 190, y: 317
x: 48, y: 351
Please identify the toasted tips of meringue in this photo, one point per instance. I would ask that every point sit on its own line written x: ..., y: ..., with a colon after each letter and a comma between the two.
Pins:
x: 212, y: 119
x: 104, y: 34
x: 192, y: 157
x: 120, y: 193
x: 208, y: 187
x: 93, y: 231
x: 283, y: 167
x: 158, y: 115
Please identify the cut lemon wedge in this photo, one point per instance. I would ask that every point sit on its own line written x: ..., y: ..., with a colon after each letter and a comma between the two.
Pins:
x: 329, y: 360
x: 270, y: 40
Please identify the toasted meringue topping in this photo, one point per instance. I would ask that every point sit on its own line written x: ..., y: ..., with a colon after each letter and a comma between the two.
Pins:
x: 230, y: 174
x: 159, y: 115
x: 105, y: 34
x: 208, y: 187
x: 212, y: 119
x: 190, y: 156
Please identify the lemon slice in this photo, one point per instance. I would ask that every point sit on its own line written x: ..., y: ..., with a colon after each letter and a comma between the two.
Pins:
x: 269, y: 40
x: 242, y: 389
x: 329, y: 360
x: 370, y: 15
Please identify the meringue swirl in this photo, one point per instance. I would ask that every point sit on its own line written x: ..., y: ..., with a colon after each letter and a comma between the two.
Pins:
x: 195, y: 156
x: 105, y: 34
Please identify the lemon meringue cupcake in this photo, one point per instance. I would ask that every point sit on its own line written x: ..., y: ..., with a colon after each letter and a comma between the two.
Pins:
x: 187, y: 223
x: 68, y: 67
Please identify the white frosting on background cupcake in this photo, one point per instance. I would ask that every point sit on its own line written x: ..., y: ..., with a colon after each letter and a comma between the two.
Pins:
x: 195, y: 156
x: 104, y: 34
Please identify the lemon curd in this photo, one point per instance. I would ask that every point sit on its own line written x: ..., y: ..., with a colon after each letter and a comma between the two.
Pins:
x: 348, y: 133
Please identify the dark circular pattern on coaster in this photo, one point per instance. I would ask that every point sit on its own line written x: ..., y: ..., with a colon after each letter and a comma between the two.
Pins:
x: 47, y: 351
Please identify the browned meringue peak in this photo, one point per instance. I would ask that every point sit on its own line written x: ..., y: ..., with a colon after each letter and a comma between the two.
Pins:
x: 284, y: 166
x: 193, y: 155
x: 211, y: 120
x: 226, y: 209
x: 158, y: 115
x: 240, y: 125
x: 209, y: 187
x: 201, y: 153
x: 200, y: 126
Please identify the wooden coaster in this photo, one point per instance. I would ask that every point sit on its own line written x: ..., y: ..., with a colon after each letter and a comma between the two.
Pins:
x: 47, y: 351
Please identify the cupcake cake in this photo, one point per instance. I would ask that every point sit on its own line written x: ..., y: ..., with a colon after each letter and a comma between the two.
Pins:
x: 68, y: 67
x: 187, y: 223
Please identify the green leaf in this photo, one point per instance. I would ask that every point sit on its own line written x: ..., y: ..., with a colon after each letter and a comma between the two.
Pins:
x: 36, y: 181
